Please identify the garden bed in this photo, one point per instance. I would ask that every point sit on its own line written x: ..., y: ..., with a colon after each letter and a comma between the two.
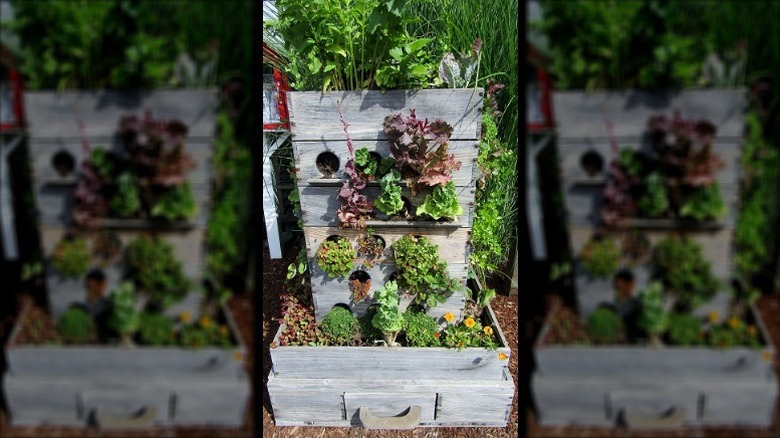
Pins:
x: 639, y: 386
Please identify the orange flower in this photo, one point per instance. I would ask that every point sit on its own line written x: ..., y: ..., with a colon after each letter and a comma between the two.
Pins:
x: 488, y: 331
x: 460, y: 344
x: 469, y: 322
x: 752, y: 331
x: 766, y: 356
x: 713, y: 316
x: 238, y: 356
x: 449, y: 317
x: 223, y: 331
x: 437, y: 335
x: 205, y: 322
x: 502, y: 356
x: 734, y: 322
x: 185, y: 316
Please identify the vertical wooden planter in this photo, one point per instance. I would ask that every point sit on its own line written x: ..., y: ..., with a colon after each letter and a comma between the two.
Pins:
x: 637, y: 386
x: 382, y: 387
x: 119, y: 386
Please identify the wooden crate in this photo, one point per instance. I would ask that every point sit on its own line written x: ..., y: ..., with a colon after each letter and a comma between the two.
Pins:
x: 586, y: 385
x: 66, y: 385
x: 330, y: 386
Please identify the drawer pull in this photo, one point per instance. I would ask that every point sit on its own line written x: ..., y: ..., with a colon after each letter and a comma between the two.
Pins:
x: 407, y: 421
x: 104, y: 419
x: 633, y: 419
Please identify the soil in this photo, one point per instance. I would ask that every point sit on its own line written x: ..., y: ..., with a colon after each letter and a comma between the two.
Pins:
x: 504, y: 306
x: 568, y: 329
x: 38, y: 327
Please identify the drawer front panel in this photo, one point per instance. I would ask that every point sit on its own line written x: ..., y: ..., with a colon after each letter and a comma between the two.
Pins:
x: 389, y: 404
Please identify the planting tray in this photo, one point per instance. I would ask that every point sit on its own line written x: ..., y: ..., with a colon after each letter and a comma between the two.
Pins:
x: 120, y: 387
x: 391, y: 388
x: 655, y: 387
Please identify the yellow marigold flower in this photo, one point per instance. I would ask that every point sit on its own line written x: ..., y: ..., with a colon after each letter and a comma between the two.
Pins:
x: 751, y: 330
x: 449, y: 317
x: 223, y: 331
x: 437, y: 335
x: 713, y: 316
x: 488, y: 330
x: 734, y: 322
x: 185, y: 316
x: 460, y: 344
x: 205, y: 322
x: 469, y: 322
x: 238, y: 356
x: 502, y: 356
x: 766, y: 356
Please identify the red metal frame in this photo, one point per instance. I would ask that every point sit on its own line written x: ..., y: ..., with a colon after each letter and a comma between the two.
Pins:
x: 545, y: 102
x: 281, y: 86
x: 16, y: 87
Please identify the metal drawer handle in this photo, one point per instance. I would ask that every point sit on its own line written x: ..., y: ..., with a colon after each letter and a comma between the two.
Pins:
x: 407, y: 421
x: 631, y: 418
x: 143, y: 417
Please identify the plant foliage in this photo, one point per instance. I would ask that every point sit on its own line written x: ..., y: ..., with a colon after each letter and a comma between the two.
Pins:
x: 335, y: 257
x: 421, y: 272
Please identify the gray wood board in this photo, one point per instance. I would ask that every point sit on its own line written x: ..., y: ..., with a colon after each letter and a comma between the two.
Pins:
x: 55, y: 114
x: 315, y: 116
x: 319, y: 402
x: 627, y: 365
x: 464, y: 151
x: 581, y: 114
x: 452, y: 242
x: 320, y: 204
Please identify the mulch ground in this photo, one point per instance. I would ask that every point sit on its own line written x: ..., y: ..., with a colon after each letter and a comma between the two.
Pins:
x: 569, y: 329
x: 274, y: 272
x: 37, y: 327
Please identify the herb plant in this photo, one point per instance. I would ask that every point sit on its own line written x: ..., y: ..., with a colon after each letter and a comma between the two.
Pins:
x: 76, y: 326
x: 420, y: 330
x: 421, y: 272
x: 124, y: 318
x: 153, y: 268
x: 71, y: 256
x: 155, y: 329
x: 340, y: 326
x: 389, y: 201
x: 655, y: 202
x: 600, y: 257
x: 653, y: 317
x: 335, y: 257
x: 388, y: 318
x: 685, y: 329
x: 126, y: 201
x: 681, y: 266
x: 175, y: 203
x: 704, y: 203
x: 605, y: 326
x: 371, y: 167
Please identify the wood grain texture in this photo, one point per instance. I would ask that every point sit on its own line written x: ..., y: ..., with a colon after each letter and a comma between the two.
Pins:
x: 581, y: 114
x: 320, y: 204
x: 315, y: 116
x: 452, y: 242
x: 56, y: 114
x: 319, y: 402
x: 307, y: 152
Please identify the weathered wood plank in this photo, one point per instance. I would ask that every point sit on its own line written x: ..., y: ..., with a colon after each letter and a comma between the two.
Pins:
x: 319, y: 401
x: 452, y: 242
x: 56, y: 114
x: 581, y: 114
x: 320, y: 204
x: 315, y: 116
x: 465, y: 151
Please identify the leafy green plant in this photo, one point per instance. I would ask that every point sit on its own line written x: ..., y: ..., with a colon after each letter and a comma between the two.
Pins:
x: 681, y: 266
x: 441, y: 203
x: 124, y: 318
x: 388, y: 319
x: 655, y: 201
x: 126, y: 201
x: 653, y: 317
x: 155, y: 329
x: 299, y: 266
x: 685, y: 329
x: 300, y: 325
x: 389, y: 201
x: 704, y: 203
x: 420, y: 330
x: 600, y: 256
x: 370, y: 166
x: 367, y: 329
x: 204, y: 332
x: 421, y: 272
x: 71, y: 256
x: 457, y: 72
x: 175, y: 203
x: 153, y: 268
x: 76, y: 326
x: 340, y: 326
x: 335, y: 257
x: 605, y: 326
x: 355, y: 45
x: 420, y: 150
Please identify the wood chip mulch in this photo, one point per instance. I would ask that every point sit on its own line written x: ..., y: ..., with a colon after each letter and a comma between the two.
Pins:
x: 505, y: 307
